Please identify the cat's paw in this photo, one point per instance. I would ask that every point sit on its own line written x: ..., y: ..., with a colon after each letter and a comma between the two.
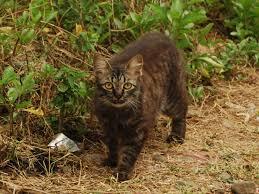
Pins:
x: 174, y: 139
x: 121, y: 175
x: 109, y: 162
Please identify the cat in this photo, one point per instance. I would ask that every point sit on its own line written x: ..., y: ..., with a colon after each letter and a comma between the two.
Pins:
x: 132, y: 88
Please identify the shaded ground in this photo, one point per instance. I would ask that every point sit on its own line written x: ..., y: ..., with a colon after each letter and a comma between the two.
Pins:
x: 222, y: 147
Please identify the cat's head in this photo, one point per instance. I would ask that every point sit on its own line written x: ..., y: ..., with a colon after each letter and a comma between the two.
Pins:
x: 118, y: 85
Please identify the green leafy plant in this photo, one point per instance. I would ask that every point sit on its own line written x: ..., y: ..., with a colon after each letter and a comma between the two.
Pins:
x: 72, y: 93
x: 206, y: 65
x: 244, y: 52
x: 14, y: 89
x: 178, y: 19
x: 197, y: 93
x: 86, y: 26
x: 25, y: 27
x: 244, y: 18
x: 93, y: 17
x: 40, y: 12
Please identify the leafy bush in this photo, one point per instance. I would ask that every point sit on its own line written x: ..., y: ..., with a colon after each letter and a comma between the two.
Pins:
x: 15, y: 90
x: 26, y: 27
x: 243, y: 18
x: 102, y: 22
x: 78, y: 28
x: 242, y: 53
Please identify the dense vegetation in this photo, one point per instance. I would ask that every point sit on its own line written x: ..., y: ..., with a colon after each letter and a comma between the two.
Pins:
x: 46, y: 49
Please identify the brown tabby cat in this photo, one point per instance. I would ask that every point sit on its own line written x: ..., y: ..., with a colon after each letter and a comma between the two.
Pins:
x: 132, y: 88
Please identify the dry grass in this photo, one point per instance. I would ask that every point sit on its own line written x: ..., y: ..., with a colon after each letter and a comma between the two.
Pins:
x: 221, y: 147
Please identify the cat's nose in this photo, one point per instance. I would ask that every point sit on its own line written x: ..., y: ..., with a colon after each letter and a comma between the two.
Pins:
x: 117, y: 99
x: 118, y: 95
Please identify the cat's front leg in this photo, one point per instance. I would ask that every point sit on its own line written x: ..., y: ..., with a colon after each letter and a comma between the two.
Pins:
x: 128, y: 154
x: 112, y: 144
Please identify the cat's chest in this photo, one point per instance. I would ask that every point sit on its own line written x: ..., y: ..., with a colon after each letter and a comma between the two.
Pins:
x: 119, y: 116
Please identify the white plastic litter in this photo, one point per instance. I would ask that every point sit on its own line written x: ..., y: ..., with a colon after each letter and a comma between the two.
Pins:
x: 61, y: 141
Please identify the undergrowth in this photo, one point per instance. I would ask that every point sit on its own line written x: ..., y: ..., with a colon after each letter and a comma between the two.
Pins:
x: 46, y: 49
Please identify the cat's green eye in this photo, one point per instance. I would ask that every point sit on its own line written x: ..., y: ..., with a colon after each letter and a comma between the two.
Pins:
x: 127, y: 86
x: 108, y: 86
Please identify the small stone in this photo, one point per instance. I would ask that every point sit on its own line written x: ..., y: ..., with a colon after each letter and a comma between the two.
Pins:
x: 243, y: 188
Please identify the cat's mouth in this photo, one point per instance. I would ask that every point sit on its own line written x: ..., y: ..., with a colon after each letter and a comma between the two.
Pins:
x: 118, y: 103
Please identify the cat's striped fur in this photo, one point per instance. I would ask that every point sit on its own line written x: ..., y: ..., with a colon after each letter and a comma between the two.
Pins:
x: 152, y: 68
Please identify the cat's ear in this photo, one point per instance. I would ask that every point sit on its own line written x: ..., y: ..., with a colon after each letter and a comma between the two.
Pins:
x: 134, y: 66
x: 101, y: 65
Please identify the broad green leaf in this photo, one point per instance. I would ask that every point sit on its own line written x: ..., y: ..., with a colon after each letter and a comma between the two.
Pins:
x: 184, y: 42
x: 48, y: 70
x: 82, y: 89
x: 211, y: 61
x: 28, y: 83
x: 22, y: 19
x: 161, y: 12
x: 50, y: 16
x: 23, y: 104
x: 71, y: 81
x: 62, y: 87
x: 176, y: 9
x: 189, y: 26
x: 8, y: 75
x: 200, y: 90
x: 27, y: 35
x: 169, y: 17
x: 12, y: 94
x: 178, y: 6
x: 59, y: 74
x: 202, y: 34
x: 195, y: 17
x: 238, y: 4
x: 197, y: 92
x: 134, y: 17
x: 36, y: 17
x: 17, y: 84
x: 246, y: 4
x: 204, y: 31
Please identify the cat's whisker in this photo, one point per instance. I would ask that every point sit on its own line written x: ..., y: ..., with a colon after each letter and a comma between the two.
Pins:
x: 134, y: 105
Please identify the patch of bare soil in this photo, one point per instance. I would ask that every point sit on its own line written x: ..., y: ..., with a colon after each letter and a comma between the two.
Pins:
x: 221, y: 148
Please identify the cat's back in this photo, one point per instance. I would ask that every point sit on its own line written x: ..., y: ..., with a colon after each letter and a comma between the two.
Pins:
x: 150, y: 46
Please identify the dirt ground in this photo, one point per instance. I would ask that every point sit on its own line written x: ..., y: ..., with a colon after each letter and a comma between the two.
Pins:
x: 221, y: 148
